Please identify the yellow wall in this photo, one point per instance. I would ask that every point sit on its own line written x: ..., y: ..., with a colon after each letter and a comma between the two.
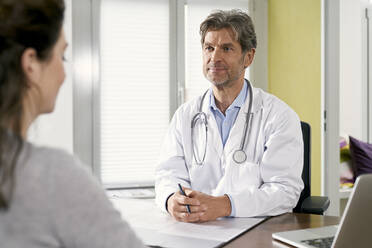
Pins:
x: 294, y: 60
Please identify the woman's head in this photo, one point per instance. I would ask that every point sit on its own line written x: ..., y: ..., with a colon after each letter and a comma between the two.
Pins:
x: 31, y: 71
x: 29, y: 32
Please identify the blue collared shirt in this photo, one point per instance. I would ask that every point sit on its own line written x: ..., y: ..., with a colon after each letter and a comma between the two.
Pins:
x: 225, y: 123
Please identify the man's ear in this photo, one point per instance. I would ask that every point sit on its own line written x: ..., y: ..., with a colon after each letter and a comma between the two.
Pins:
x: 31, y: 66
x: 248, y: 57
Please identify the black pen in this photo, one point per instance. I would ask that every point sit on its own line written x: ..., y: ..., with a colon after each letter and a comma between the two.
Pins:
x: 183, y: 193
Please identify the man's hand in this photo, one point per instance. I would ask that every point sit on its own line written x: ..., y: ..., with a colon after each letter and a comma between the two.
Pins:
x: 177, y: 208
x: 203, y: 207
x: 213, y: 206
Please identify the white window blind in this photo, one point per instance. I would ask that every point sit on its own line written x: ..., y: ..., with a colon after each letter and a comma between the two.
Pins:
x: 134, y: 89
x: 196, y: 12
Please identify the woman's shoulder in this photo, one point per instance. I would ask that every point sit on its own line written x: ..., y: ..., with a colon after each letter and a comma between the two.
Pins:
x: 37, y: 151
x: 43, y: 154
x: 54, y: 172
x: 47, y: 162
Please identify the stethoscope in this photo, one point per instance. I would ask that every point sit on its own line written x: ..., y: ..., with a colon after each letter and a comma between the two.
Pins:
x: 239, y: 155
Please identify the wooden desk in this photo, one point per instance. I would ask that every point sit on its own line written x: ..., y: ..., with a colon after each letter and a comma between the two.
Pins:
x: 260, y: 236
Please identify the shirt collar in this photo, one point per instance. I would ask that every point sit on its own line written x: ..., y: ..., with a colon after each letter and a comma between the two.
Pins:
x: 237, y: 103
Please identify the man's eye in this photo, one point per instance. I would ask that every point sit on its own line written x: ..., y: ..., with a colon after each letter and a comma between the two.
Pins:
x: 209, y: 48
x: 226, y: 49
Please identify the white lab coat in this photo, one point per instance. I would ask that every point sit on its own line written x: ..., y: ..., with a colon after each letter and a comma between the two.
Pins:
x: 268, y: 183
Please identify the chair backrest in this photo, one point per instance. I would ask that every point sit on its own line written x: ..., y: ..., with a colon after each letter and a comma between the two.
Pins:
x: 306, y: 171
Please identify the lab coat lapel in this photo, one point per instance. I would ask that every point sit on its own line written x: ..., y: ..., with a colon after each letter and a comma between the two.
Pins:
x: 257, y: 101
x: 237, y: 130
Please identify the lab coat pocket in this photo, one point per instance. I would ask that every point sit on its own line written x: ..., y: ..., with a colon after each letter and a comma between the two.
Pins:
x: 204, y: 177
x: 245, y: 175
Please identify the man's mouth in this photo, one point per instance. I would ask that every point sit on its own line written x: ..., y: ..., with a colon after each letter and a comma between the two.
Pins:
x: 216, y: 68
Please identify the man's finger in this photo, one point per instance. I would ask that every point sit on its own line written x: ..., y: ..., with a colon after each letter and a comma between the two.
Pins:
x: 197, y: 209
x: 203, y: 217
x: 187, y: 217
x: 180, y: 208
x: 188, y: 191
x: 193, y: 209
x: 184, y: 200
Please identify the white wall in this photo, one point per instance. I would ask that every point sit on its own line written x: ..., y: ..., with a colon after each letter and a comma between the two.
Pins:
x: 352, y: 88
x: 56, y: 129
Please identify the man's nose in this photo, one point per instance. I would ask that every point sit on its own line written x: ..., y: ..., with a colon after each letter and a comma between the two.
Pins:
x: 216, y: 55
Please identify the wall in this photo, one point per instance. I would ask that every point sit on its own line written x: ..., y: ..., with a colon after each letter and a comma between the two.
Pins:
x: 55, y: 129
x: 294, y: 60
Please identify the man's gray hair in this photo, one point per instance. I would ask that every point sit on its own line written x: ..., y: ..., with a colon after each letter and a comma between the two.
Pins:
x: 238, y: 21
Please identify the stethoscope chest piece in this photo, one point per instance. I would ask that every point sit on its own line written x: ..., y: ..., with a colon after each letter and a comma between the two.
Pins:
x: 239, y: 156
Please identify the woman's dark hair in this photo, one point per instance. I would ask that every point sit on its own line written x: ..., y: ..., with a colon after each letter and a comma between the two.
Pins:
x: 23, y: 24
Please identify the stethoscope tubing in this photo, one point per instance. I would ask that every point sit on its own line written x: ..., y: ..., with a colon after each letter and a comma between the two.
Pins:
x: 193, y: 123
x: 248, y: 117
x: 203, y: 116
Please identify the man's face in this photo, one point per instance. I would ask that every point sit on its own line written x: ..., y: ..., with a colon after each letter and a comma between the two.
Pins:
x: 223, y: 59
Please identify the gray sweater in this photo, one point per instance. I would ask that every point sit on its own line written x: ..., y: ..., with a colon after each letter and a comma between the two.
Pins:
x: 57, y: 203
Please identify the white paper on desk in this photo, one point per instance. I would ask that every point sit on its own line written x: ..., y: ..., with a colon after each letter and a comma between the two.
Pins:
x: 141, y: 193
x: 149, y: 221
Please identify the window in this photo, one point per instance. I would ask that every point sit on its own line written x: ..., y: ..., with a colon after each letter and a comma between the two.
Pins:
x: 134, y: 88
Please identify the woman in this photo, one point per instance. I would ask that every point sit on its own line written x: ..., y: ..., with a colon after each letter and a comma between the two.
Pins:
x: 47, y: 199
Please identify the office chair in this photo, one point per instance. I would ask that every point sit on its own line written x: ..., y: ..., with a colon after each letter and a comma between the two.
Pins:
x: 307, y: 203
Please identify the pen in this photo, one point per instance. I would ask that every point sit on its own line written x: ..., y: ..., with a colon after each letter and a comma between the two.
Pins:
x: 183, y: 193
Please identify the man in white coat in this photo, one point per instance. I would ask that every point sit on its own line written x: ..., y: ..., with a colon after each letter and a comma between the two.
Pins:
x: 236, y: 150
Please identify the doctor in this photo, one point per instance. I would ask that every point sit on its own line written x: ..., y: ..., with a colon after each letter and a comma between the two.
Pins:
x: 236, y: 150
